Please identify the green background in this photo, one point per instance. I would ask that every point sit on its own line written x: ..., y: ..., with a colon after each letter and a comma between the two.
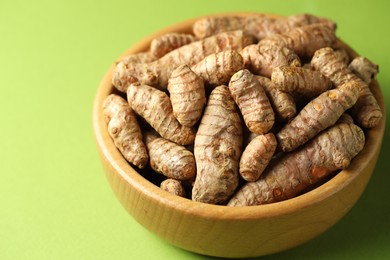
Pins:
x: 55, y: 202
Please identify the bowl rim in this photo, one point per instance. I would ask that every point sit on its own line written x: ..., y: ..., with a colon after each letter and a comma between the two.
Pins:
x: 110, y: 153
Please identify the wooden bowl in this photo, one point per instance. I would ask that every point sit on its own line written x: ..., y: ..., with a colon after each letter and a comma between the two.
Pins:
x: 229, y: 231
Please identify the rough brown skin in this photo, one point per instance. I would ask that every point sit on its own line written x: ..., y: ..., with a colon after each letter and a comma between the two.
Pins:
x: 300, y: 20
x: 141, y: 57
x: 187, y: 94
x: 168, y: 42
x: 253, y: 102
x: 333, y: 66
x: 282, y: 103
x: 300, y: 82
x: 305, y: 40
x: 319, y: 114
x: 174, y: 187
x: 157, y: 73
x: 217, y: 68
x: 258, y: 25
x: 124, y: 130
x: 217, y: 150
x: 133, y: 61
x: 345, y: 118
x: 366, y: 111
x: 256, y: 156
x: 208, y: 26
x: 343, y: 54
x: 170, y: 159
x: 262, y: 28
x: 263, y: 57
x: 330, y: 151
x: 364, y: 69
x: 155, y: 107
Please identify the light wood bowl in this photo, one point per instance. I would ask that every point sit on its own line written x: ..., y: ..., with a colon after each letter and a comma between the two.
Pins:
x: 229, y: 231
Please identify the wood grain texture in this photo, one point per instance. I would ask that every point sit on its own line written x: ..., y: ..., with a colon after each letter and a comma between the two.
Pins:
x: 226, y: 231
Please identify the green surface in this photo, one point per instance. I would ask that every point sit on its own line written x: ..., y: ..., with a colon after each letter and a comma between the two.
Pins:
x: 55, y: 202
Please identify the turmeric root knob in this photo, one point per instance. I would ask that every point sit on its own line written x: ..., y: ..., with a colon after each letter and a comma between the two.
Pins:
x: 299, y: 81
x: 305, y: 40
x: 320, y: 113
x: 155, y: 107
x: 168, y: 42
x: 137, y: 58
x: 170, y: 159
x: 217, y: 69
x: 174, y: 187
x: 187, y: 94
x: 282, y: 103
x: 212, y: 25
x: 263, y: 57
x: 217, y: 149
x: 252, y: 101
x: 329, y: 151
x: 124, y: 130
x: 256, y: 156
x: 364, y: 69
